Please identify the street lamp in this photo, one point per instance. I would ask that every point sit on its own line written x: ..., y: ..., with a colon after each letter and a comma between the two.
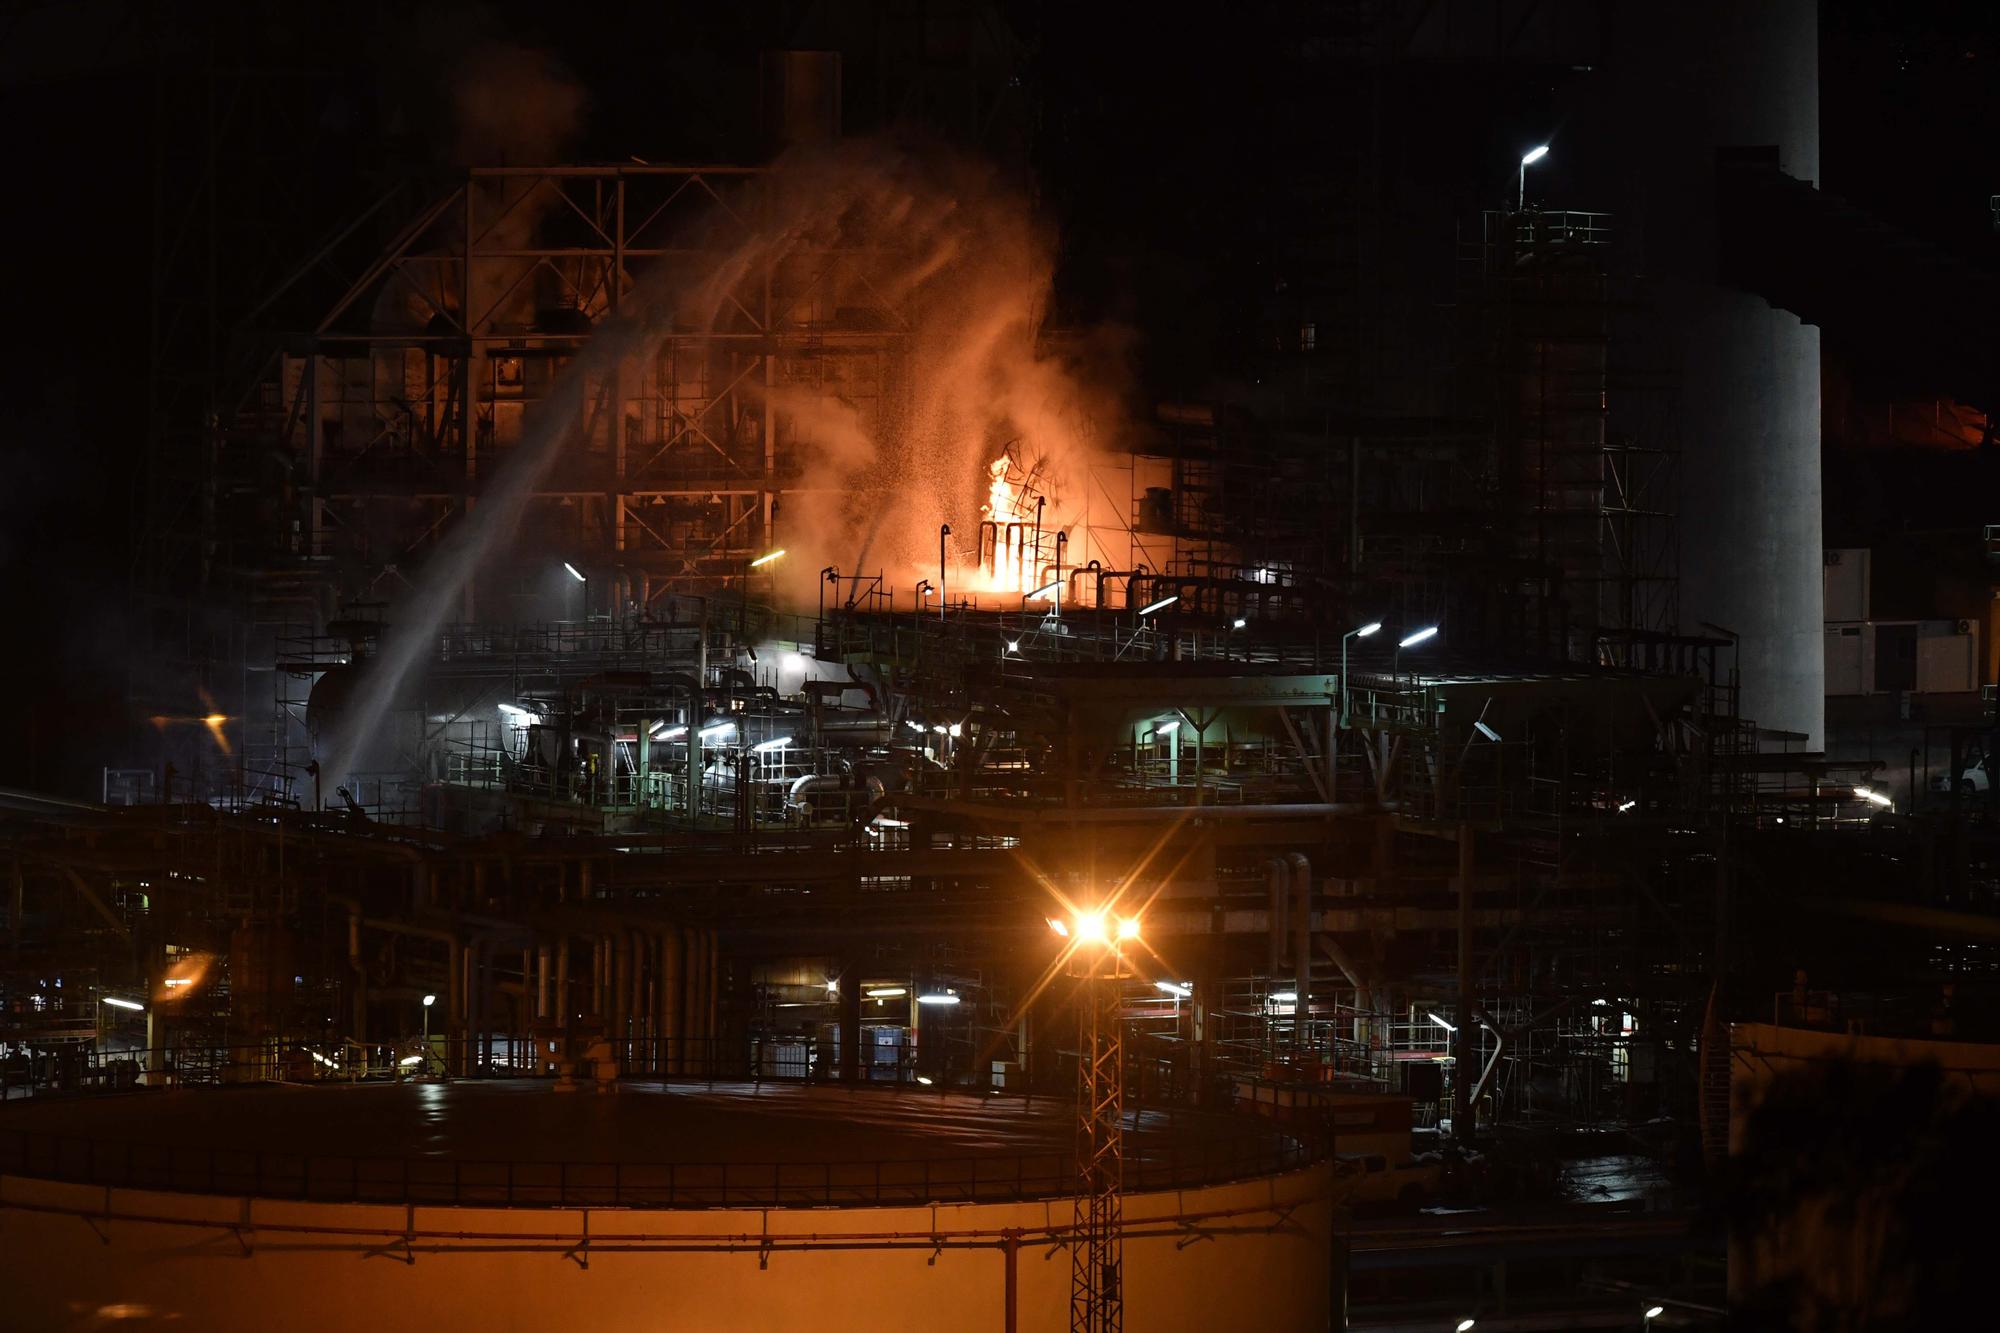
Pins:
x: 582, y: 583
x: 1410, y: 641
x: 1528, y: 159
x: 1654, y: 1313
x: 1345, y: 697
x: 429, y: 1000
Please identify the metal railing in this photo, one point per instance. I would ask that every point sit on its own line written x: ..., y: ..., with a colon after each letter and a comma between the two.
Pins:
x: 1169, y: 1161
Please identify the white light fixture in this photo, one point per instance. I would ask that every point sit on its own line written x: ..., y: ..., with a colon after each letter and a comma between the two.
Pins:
x: 1655, y: 1312
x: 1441, y: 1023
x: 1058, y: 927
x: 1528, y: 159
x: 1870, y: 794
x: 833, y: 987
x: 923, y: 1079
x: 1534, y: 155
x: 516, y: 714
x: 1486, y: 731
x: 763, y: 560
x: 1465, y: 1326
x: 1284, y: 997
x: 946, y: 998
x: 409, y: 1060
x: 1368, y: 629
x: 430, y: 1000
x: 1623, y: 806
x: 666, y: 733
x: 117, y: 1003
x: 1128, y: 928
x: 574, y: 572
x: 1090, y: 926
x: 172, y: 982
x: 1167, y: 728
x: 1180, y: 990
x: 1238, y: 623
x: 913, y: 726
x: 776, y: 743
x: 1411, y: 640
x: 1013, y: 645
x: 717, y: 729
x: 886, y: 992
x: 1160, y: 605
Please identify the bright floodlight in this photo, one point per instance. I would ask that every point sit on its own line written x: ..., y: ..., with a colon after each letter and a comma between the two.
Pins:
x: 1090, y: 926
x: 1623, y: 806
x: 1160, y: 605
x: 1178, y: 989
x: 946, y: 998
x: 1284, y: 997
x: 1441, y: 1023
x: 1465, y: 1325
x: 1238, y: 623
x: 430, y: 1000
x: 1058, y: 927
x: 409, y: 1060
x: 1368, y: 629
x: 1128, y: 928
x: 1411, y: 640
x: 1013, y: 645
x: 1656, y: 1312
x: 924, y: 1079
x: 574, y: 573
x: 766, y: 559
x: 116, y: 1003
x: 1528, y: 159
x: 777, y: 743
x: 1047, y: 590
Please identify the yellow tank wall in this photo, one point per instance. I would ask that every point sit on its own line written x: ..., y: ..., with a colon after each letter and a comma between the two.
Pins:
x: 179, y: 1262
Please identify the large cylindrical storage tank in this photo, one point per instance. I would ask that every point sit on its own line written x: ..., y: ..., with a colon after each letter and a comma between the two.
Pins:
x: 505, y: 1215
x: 1694, y: 81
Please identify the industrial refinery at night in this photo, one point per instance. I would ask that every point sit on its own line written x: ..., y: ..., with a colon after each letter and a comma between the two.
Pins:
x: 918, y: 664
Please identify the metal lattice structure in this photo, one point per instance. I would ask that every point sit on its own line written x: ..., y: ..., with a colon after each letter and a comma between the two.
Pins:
x: 1096, y: 1302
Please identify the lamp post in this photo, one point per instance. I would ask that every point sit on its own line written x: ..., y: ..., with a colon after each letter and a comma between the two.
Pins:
x: 828, y: 575
x: 1528, y: 159
x: 429, y: 1000
x: 1333, y: 762
x: 944, y: 530
x: 1654, y: 1313
x: 582, y: 582
x: 1409, y: 641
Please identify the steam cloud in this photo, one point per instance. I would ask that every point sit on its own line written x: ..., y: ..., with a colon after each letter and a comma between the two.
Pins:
x: 957, y: 259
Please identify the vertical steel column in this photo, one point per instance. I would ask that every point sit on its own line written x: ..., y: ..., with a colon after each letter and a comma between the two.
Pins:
x: 1096, y: 1301
x: 1462, y: 1040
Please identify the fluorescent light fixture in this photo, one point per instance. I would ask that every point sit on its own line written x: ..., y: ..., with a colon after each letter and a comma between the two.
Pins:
x: 670, y: 733
x: 117, y: 1003
x: 1160, y: 605
x: 1411, y: 640
x: 715, y: 729
x: 1047, y: 590
x: 1128, y: 928
x: 776, y: 743
x: 430, y: 1000
x: 1178, y: 989
x: 1167, y: 728
x: 1623, y: 806
x: 1441, y: 1023
x: 1238, y: 623
x: 1486, y: 731
x: 886, y: 992
x: 1528, y: 159
x: 1870, y: 794
x: 883, y: 821
x: 946, y: 998
x: 764, y: 560
x: 409, y: 1060
x: 1058, y: 927
x: 171, y: 982
x: 1368, y: 629
x: 1284, y: 997
x: 574, y: 573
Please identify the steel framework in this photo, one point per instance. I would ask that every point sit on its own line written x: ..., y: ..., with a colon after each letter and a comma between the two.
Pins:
x: 1096, y: 1301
